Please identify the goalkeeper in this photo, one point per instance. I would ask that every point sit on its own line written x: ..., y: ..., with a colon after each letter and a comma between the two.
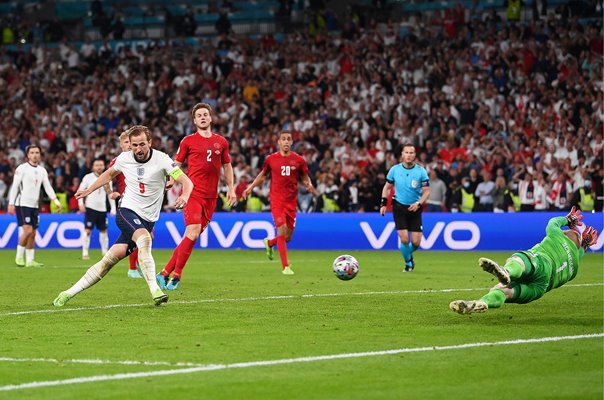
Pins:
x: 528, y: 275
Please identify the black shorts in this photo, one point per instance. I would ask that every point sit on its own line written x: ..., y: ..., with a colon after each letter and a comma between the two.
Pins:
x: 95, y: 218
x: 405, y: 219
x: 128, y: 221
x: 28, y: 216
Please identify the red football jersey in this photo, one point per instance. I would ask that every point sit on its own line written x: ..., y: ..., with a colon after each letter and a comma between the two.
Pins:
x: 121, y: 182
x: 205, y: 157
x: 285, y: 171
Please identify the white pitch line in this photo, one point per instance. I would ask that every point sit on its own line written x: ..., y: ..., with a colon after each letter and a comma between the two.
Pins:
x: 100, y: 362
x: 250, y: 364
x: 244, y: 299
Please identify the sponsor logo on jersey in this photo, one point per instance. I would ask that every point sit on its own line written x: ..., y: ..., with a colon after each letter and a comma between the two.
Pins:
x: 137, y: 221
x: 217, y: 152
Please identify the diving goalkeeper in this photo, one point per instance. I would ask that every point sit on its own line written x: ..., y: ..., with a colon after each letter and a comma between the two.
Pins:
x: 528, y: 275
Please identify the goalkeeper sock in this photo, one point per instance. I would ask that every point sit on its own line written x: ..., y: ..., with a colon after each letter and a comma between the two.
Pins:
x: 272, y: 242
x: 86, y: 244
x: 186, y: 247
x: 94, y: 274
x: 494, y: 299
x: 514, y: 268
x: 133, y: 258
x: 282, y: 248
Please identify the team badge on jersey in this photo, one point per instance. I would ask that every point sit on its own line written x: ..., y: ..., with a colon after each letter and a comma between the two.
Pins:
x: 414, y: 184
x: 140, y: 171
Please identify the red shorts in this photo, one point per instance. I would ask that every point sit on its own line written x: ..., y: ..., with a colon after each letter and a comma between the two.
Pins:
x: 199, y: 211
x: 284, y: 215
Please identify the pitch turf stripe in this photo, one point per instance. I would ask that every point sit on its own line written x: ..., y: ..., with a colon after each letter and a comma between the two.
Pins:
x: 251, y: 364
x: 244, y: 299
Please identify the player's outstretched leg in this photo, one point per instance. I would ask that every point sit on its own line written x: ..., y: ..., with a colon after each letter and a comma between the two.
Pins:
x: 468, y: 306
x: 134, y: 270
x: 269, y: 249
x: 495, y: 269
x: 61, y: 299
x: 173, y: 283
x: 162, y: 281
x: 159, y: 297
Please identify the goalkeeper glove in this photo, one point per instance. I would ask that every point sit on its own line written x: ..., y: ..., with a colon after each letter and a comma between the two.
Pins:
x: 589, y: 237
x: 574, y: 218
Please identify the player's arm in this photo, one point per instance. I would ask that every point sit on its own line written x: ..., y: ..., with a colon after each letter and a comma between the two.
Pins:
x: 187, y: 187
x: 171, y: 181
x: 385, y: 192
x: 103, y: 179
x: 51, y: 192
x: 83, y: 186
x: 257, y: 182
x: 229, y: 177
x: 418, y: 204
x: 14, y: 191
x: 308, y: 183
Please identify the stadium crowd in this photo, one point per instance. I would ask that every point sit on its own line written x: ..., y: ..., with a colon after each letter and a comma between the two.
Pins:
x: 506, y: 116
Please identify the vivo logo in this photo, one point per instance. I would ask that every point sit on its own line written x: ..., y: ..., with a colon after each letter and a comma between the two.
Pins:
x: 227, y: 238
x: 378, y: 242
x: 55, y: 230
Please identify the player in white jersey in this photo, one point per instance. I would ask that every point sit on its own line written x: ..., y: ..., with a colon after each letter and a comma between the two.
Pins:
x: 23, y: 200
x: 145, y: 171
x: 95, y: 208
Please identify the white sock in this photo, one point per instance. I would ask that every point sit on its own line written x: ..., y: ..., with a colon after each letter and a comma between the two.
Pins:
x: 85, y: 244
x: 94, y: 274
x: 20, y: 251
x: 104, y: 241
x: 29, y: 255
x: 146, y: 261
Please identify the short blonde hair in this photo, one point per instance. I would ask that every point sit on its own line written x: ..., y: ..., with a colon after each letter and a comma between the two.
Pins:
x: 124, y: 135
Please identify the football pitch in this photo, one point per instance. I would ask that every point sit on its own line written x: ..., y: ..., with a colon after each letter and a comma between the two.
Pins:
x: 239, y: 329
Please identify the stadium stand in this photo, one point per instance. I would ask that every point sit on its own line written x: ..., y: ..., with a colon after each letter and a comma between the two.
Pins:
x: 473, y: 91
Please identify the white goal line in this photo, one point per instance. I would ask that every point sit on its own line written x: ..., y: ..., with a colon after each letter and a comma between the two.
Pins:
x: 250, y: 364
x: 261, y: 298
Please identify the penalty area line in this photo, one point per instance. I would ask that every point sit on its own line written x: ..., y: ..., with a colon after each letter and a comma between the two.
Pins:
x: 263, y: 298
x: 251, y: 364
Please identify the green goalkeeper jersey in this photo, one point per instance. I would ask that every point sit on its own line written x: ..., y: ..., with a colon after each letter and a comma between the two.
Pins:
x: 559, y: 252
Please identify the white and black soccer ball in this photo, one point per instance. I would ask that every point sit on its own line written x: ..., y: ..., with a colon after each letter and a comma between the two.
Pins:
x: 345, y: 267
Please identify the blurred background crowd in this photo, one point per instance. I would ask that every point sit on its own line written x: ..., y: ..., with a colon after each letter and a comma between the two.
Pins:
x: 505, y: 108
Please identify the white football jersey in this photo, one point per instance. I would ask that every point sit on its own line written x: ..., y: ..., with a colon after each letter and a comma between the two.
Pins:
x: 96, y: 200
x: 25, y: 191
x: 145, y: 182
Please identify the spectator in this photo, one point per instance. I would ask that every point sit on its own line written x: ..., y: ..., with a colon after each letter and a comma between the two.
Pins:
x: 438, y: 194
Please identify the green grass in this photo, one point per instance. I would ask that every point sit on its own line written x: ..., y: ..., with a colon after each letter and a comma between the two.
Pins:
x: 228, y: 310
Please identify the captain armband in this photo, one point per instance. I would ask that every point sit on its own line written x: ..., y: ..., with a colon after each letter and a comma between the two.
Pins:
x: 175, y: 174
x: 383, y: 202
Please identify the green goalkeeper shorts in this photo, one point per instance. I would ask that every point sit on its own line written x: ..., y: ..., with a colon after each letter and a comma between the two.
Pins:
x: 532, y: 286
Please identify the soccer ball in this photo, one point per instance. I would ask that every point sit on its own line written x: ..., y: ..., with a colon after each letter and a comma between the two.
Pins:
x: 345, y: 267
